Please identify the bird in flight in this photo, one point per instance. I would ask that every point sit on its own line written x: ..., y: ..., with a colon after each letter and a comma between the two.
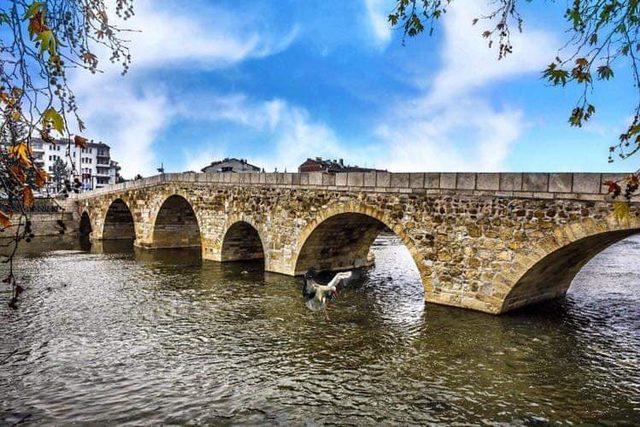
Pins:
x: 316, y: 294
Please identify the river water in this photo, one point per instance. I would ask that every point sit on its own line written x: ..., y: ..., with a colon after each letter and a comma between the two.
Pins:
x: 111, y: 335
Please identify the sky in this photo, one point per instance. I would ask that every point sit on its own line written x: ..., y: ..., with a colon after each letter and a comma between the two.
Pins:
x: 277, y: 81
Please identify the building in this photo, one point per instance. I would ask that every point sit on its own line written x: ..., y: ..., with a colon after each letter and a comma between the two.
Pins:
x: 326, y: 165
x: 231, y: 165
x: 92, y: 165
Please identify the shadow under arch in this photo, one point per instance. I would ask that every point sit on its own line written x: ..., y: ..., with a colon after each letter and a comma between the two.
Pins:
x: 552, y: 275
x: 176, y: 225
x: 340, y: 239
x: 85, y: 228
x: 118, y: 222
x: 241, y: 242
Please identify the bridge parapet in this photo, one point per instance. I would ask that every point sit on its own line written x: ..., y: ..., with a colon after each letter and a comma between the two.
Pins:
x: 575, y: 186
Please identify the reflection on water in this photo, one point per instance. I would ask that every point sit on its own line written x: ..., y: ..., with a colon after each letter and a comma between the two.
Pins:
x: 111, y: 334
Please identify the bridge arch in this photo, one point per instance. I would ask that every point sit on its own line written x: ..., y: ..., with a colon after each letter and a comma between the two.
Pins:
x: 85, y: 228
x: 340, y: 237
x: 118, y: 222
x: 176, y: 224
x: 241, y: 241
x: 548, y: 268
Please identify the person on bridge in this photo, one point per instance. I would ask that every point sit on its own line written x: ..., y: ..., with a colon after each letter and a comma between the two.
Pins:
x: 317, y: 295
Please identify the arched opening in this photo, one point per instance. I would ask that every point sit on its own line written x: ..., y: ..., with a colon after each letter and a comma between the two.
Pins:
x: 386, y: 281
x: 340, y: 242
x: 176, y: 225
x: 241, y: 243
x: 118, y: 223
x: 552, y: 276
x: 85, y: 228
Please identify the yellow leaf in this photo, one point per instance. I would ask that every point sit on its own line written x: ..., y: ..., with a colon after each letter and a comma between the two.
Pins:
x: 22, y: 152
x: 621, y: 210
x: 53, y: 118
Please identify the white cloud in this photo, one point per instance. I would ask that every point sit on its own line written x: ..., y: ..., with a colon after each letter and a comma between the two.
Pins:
x: 447, y: 126
x: 290, y: 135
x: 130, y: 112
x: 377, y: 12
x: 468, y: 63
x: 209, y: 37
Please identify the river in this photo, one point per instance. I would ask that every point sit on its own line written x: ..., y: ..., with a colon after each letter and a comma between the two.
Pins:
x: 111, y: 335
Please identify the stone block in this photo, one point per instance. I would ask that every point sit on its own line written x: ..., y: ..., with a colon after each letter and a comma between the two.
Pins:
x: 287, y: 178
x: 215, y: 177
x: 416, y: 180
x: 588, y: 183
x: 488, y: 181
x: 399, y: 180
x: 510, y: 181
x: 535, y: 182
x: 431, y: 180
x: 254, y: 178
x: 315, y: 178
x: 304, y: 178
x: 543, y: 195
x: 448, y: 180
x: 271, y: 178
x: 560, y: 182
x: 263, y: 178
x: 235, y: 178
x: 295, y: 179
x: 369, y: 179
x: 355, y: 179
x: 341, y: 179
x: 383, y: 179
x: 466, y: 181
x: 226, y: 177
x: 328, y: 179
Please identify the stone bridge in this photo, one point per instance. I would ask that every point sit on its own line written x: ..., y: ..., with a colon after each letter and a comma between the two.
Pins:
x: 486, y: 241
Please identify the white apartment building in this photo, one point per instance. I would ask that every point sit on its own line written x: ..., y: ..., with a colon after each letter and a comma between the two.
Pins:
x: 91, y: 165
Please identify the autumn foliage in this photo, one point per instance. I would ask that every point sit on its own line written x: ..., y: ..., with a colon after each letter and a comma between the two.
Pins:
x: 39, y: 42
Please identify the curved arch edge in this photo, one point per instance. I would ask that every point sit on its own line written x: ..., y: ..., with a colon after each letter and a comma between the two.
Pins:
x: 547, y: 269
x: 371, y: 212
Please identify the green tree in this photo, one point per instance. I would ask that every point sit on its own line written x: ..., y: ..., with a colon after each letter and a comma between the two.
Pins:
x: 59, y: 174
x: 40, y: 41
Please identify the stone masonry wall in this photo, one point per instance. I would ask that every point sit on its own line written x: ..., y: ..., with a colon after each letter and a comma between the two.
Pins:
x: 474, y: 237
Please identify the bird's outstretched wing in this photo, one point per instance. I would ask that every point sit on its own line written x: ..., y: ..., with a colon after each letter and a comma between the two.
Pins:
x: 338, y: 278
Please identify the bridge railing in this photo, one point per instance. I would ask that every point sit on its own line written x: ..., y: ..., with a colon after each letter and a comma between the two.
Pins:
x: 523, y: 184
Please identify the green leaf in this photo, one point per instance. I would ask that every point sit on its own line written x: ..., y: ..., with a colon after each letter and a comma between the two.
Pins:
x: 4, y: 18
x: 556, y: 75
x: 33, y: 9
x: 54, y: 118
x: 47, y: 42
x: 605, y: 72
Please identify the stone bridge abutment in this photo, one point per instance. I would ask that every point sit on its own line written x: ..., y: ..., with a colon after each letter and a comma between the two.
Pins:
x: 489, y: 242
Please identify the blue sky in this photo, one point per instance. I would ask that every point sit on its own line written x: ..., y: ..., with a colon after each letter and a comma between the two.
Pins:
x: 279, y: 81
